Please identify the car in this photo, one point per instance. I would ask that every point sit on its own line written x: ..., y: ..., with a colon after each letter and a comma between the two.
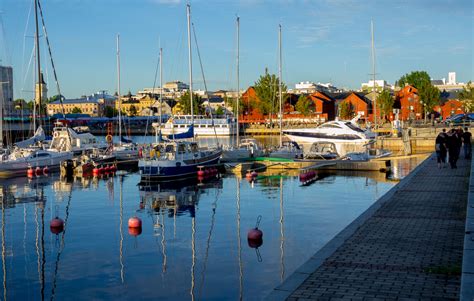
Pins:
x: 460, y: 119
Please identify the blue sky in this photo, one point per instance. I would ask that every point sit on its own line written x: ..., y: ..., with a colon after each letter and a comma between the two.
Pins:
x: 324, y: 40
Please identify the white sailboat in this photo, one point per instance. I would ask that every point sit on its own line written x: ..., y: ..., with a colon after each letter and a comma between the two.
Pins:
x: 248, y: 148
x: 291, y: 149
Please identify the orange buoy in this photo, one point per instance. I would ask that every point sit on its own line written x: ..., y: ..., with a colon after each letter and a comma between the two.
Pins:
x: 134, y: 222
x: 46, y: 170
x: 38, y: 171
x: 200, y: 173
x: 30, y: 172
x: 56, y: 225
x: 135, y: 231
x: 95, y: 171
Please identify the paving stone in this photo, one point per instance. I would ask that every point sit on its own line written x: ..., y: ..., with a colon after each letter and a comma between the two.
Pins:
x: 410, y: 248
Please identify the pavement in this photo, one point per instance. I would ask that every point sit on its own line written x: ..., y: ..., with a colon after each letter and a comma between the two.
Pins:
x: 407, y: 246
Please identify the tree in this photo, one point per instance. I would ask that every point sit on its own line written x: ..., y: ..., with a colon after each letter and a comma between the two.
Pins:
x: 304, y: 105
x: 416, y: 78
x: 429, y: 96
x: 385, y: 102
x: 466, y: 96
x: 220, y: 111
x: 266, y: 88
x: 54, y: 98
x: 76, y: 110
x: 20, y: 104
x: 133, y: 111
x: 110, y: 112
x: 345, y: 110
x: 185, y: 104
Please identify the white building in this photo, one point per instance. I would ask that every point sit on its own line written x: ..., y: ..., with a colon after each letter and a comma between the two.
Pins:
x: 380, y: 85
x: 449, y: 85
x: 310, y: 87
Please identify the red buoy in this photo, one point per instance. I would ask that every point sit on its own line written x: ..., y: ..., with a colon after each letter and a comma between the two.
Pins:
x: 255, y: 243
x: 38, y: 171
x: 254, y: 234
x: 113, y: 168
x: 46, y: 170
x: 200, y: 173
x: 56, y: 225
x: 254, y: 174
x: 95, y: 171
x: 303, y: 177
x: 248, y: 175
x: 140, y: 153
x: 134, y: 222
x: 135, y: 231
x: 30, y: 172
x: 101, y: 170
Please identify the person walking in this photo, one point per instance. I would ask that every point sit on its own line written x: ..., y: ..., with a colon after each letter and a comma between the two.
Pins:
x: 466, y: 139
x: 453, y: 147
x: 441, y: 150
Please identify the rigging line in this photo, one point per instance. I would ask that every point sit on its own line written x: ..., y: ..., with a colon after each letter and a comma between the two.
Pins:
x: 205, y: 84
x: 193, y: 249
x: 61, y: 247
x: 158, y: 63
x: 24, y: 46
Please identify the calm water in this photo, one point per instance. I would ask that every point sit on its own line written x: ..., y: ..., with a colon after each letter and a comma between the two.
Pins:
x: 194, y: 240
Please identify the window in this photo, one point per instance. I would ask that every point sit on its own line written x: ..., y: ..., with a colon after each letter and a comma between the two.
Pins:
x: 353, y: 127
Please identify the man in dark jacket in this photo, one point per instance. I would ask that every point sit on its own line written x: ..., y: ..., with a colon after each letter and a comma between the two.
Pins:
x: 453, y: 147
x: 440, y: 146
x: 466, y: 139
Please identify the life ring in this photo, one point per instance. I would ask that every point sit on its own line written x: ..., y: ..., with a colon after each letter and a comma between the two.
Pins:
x: 108, y: 138
x: 56, y: 135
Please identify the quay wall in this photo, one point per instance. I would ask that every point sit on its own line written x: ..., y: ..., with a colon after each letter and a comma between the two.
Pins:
x: 467, y: 276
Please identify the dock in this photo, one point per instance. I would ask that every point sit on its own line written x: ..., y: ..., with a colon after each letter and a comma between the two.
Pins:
x: 407, y: 245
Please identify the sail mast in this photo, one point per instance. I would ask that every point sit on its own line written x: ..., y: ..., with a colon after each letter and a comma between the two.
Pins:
x: 374, y: 100
x: 161, y: 88
x: 279, y: 82
x: 238, y: 79
x: 118, y: 90
x: 38, y: 63
x: 188, y: 12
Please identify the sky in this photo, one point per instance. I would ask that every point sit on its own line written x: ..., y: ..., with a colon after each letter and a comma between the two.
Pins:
x: 322, y: 41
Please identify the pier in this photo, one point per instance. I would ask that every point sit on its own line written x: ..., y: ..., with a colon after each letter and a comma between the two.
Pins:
x: 407, y: 245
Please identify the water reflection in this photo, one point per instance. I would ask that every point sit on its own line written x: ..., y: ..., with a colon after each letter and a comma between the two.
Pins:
x: 193, y: 241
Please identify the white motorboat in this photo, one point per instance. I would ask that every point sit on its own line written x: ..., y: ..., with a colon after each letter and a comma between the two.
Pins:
x: 347, y: 136
x: 66, y: 139
x: 203, y: 125
x: 247, y: 149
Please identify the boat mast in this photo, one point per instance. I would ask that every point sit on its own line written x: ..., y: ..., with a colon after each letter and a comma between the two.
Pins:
x: 374, y: 97
x: 118, y: 90
x: 238, y: 79
x: 279, y: 82
x: 38, y: 63
x: 190, y: 60
x: 161, y: 89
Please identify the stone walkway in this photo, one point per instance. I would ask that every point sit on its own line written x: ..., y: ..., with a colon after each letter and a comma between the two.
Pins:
x: 410, y: 247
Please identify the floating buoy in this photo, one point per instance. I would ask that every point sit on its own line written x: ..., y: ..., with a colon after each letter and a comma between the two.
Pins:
x: 134, y: 222
x: 46, y: 170
x: 255, y: 233
x: 140, y: 152
x: 254, y: 174
x: 206, y: 173
x: 303, y: 177
x: 113, y: 168
x: 255, y: 243
x: 101, y: 170
x: 200, y: 178
x: 95, y: 171
x: 200, y: 173
x: 56, y: 225
x: 30, y: 172
x: 135, y: 231
x: 38, y: 171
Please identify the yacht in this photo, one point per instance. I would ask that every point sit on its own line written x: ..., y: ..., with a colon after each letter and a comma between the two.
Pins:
x: 170, y: 160
x: 288, y: 150
x: 203, y: 125
x: 75, y: 140
x: 246, y: 150
x: 347, y: 136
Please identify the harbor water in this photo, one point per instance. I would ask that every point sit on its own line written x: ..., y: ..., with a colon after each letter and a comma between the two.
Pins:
x: 193, y: 243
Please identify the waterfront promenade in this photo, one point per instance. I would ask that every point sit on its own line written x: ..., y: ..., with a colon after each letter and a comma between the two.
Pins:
x: 408, y: 245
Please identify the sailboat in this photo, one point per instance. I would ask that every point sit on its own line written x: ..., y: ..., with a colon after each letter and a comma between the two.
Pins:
x: 289, y: 149
x: 175, y: 158
x: 31, y: 153
x: 247, y: 148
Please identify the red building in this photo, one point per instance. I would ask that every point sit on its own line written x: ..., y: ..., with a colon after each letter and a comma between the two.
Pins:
x: 408, y: 101
x: 324, y: 104
x: 449, y: 108
x: 361, y: 105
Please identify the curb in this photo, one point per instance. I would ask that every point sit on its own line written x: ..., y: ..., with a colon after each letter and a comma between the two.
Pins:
x: 467, y: 276
x: 285, y: 289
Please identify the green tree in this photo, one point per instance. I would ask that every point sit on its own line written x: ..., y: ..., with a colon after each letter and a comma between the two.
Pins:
x: 466, y: 96
x: 220, y: 111
x: 429, y: 95
x: 345, y: 110
x: 385, y: 102
x: 54, y: 98
x: 110, y: 112
x: 76, y: 110
x: 185, y: 104
x: 266, y: 88
x: 416, y: 78
x: 20, y: 104
x: 304, y: 105
x: 133, y: 111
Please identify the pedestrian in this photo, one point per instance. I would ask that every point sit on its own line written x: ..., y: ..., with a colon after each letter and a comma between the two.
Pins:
x: 459, y: 133
x: 453, y: 147
x: 441, y: 150
x: 466, y: 139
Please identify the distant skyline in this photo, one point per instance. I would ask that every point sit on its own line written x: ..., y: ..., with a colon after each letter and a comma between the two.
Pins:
x: 324, y: 40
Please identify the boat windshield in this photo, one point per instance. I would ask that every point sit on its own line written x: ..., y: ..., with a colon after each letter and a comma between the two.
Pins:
x: 170, y: 148
x: 330, y: 125
x: 354, y: 128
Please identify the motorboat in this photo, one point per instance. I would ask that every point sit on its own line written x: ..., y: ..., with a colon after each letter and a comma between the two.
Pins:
x: 322, y: 150
x: 203, y: 125
x: 68, y: 139
x: 246, y: 150
x: 347, y: 136
x: 176, y: 159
